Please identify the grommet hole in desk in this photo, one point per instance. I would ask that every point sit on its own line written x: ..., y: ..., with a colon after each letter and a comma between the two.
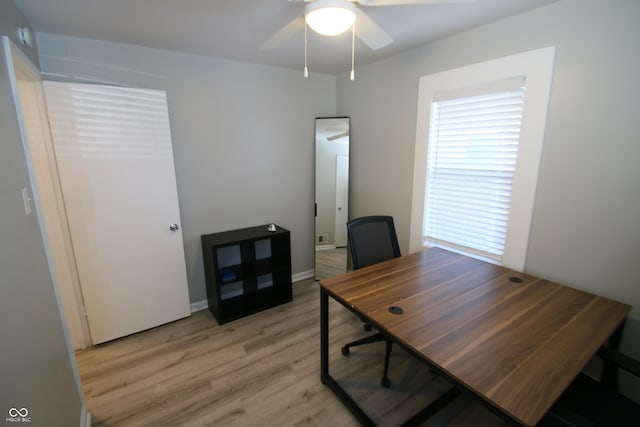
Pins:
x: 396, y: 310
x: 516, y: 279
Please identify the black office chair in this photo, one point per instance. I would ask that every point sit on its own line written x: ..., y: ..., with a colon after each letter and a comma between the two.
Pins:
x: 588, y: 402
x: 372, y: 239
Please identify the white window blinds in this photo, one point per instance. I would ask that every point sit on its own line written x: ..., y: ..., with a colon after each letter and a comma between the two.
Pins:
x: 473, y: 147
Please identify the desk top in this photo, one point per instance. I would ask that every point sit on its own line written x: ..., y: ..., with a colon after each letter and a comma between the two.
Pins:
x: 516, y: 345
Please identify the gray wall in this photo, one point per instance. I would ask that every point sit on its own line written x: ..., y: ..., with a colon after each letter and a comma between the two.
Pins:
x: 243, y: 136
x: 36, y: 365
x: 586, y: 230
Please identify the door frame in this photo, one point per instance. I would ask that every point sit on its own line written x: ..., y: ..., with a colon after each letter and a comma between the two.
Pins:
x: 58, y: 241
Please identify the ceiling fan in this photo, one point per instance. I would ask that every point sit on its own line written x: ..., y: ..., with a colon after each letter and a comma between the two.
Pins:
x: 339, y: 133
x: 340, y: 16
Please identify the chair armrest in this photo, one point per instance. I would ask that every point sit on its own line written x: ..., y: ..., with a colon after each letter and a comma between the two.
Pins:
x: 620, y: 360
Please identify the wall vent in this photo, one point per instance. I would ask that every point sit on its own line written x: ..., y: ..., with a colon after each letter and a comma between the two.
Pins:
x: 322, y: 238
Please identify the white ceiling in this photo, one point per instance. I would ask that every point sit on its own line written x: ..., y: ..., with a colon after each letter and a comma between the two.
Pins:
x: 238, y: 29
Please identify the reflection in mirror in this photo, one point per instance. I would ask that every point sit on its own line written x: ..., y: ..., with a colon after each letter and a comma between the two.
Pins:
x: 332, y: 196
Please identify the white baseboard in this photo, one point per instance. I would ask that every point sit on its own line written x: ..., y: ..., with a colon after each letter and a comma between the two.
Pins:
x: 304, y: 275
x: 85, y: 417
x: 199, y: 305
x: 325, y: 247
x: 203, y: 305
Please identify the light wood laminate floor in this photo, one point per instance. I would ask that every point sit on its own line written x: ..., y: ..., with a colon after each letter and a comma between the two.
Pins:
x: 262, y: 370
x: 330, y: 262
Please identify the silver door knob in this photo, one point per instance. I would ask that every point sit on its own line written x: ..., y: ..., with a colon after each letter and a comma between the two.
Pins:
x: 174, y: 227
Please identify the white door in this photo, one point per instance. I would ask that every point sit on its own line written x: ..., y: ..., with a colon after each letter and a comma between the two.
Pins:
x: 115, y: 160
x: 342, y: 200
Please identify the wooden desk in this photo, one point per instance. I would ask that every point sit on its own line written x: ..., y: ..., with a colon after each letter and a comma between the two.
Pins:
x: 515, y: 344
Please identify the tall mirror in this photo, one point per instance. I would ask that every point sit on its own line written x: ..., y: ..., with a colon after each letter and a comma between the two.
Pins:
x: 332, y: 196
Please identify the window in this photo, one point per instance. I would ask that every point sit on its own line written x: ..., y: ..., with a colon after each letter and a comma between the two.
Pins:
x: 471, y: 160
x: 478, y: 147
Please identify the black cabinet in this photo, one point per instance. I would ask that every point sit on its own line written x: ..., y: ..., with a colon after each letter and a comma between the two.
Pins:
x: 246, y: 271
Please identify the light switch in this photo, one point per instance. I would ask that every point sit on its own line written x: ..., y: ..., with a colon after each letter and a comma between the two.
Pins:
x: 26, y: 198
x: 24, y: 34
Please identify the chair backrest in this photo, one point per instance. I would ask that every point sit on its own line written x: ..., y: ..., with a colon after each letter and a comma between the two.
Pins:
x: 372, y: 239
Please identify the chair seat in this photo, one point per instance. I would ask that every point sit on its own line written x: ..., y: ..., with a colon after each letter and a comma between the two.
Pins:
x: 590, y: 400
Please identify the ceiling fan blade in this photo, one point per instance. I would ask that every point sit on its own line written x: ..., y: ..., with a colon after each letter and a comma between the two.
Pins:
x: 370, y: 33
x: 284, y: 34
x: 407, y: 2
x: 337, y: 136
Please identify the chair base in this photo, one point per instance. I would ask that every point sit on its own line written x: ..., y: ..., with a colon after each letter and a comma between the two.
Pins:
x: 385, y: 382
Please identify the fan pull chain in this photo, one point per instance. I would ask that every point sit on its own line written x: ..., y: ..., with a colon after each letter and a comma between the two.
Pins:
x: 353, y: 51
x: 306, y: 70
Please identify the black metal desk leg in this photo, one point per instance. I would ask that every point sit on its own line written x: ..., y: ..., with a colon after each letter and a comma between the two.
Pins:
x: 324, y: 335
x: 610, y: 370
x: 325, y: 377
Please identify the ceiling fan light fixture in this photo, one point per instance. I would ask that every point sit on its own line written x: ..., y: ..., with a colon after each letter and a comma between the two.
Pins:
x: 330, y: 17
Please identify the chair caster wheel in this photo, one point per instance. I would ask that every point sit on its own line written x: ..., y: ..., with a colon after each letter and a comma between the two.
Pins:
x: 345, y: 351
x: 386, y: 383
x: 367, y: 327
